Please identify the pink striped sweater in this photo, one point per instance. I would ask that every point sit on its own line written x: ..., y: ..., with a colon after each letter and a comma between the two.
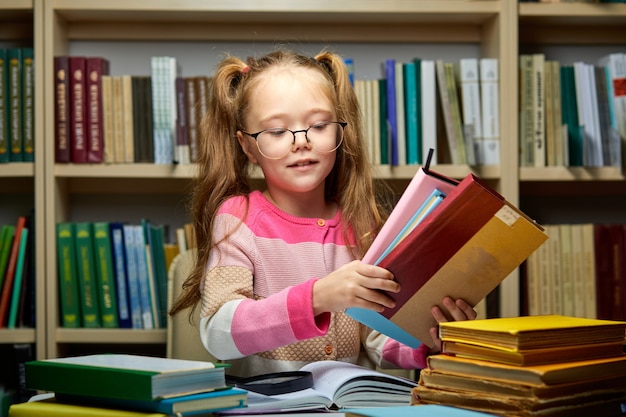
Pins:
x: 257, y: 295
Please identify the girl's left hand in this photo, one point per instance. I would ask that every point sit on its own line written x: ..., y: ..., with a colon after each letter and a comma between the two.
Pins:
x: 457, y: 309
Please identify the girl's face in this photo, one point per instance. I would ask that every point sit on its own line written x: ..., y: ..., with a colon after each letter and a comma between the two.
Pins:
x: 295, y: 99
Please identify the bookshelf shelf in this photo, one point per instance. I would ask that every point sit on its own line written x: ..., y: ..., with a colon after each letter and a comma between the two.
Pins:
x: 571, y: 174
x: 17, y: 170
x: 113, y: 336
x: 11, y: 336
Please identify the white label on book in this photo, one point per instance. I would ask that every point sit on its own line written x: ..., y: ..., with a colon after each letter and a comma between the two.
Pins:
x: 507, y: 215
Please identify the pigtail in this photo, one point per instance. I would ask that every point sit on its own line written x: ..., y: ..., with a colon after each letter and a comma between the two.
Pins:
x: 222, y: 169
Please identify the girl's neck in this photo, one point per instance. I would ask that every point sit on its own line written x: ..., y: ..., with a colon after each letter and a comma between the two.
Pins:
x: 305, y: 206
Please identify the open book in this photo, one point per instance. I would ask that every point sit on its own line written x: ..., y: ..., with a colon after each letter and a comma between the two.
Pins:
x: 463, y: 247
x: 335, y: 385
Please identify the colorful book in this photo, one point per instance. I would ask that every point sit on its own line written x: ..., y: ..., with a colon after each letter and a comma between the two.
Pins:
x: 95, y: 68
x: 132, y: 275
x: 105, y: 275
x: 8, y: 231
x: 392, y: 110
x: 15, y: 104
x: 143, y: 275
x: 122, y: 376
x: 533, y: 332
x: 62, y: 135
x: 52, y: 408
x: 87, y: 281
x: 413, y: 142
x: 28, y: 105
x: 19, y: 277
x: 180, y: 406
x: 9, y: 276
x: 473, y: 240
x: 69, y: 298
x: 490, y: 111
x: 118, y: 254
x: 4, y: 112
x: 78, y: 109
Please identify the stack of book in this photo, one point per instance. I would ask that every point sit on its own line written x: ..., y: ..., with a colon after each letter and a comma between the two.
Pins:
x: 528, y: 366
x: 120, y: 385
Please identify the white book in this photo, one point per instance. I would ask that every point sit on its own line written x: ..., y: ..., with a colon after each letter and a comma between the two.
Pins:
x: 490, y: 110
x: 429, y: 110
x: 585, y: 95
x: 132, y: 278
x: 616, y: 65
x: 470, y: 105
x: 400, y: 113
x: 143, y: 266
x: 539, y: 97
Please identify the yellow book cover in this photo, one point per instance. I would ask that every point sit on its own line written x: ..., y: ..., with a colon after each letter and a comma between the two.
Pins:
x: 51, y: 408
x: 533, y: 332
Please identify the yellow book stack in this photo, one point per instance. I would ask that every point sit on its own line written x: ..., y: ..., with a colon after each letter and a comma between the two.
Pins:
x: 547, y: 365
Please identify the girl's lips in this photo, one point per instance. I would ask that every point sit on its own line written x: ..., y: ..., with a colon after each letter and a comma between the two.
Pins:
x: 301, y: 164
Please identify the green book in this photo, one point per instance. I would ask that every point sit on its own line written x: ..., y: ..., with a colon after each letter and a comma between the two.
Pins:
x: 68, y: 276
x: 157, y: 240
x: 28, y: 105
x: 4, y: 112
x: 105, y: 275
x: 14, y: 91
x: 87, y: 281
x: 8, y: 231
x: 121, y: 376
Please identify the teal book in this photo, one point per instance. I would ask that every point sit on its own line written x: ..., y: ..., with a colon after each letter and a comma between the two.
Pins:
x: 182, y: 406
x: 118, y: 252
x: 570, y: 116
x: 133, y: 377
x: 413, y: 145
x: 87, y: 281
x: 69, y: 299
x: 17, y: 282
x: 105, y: 278
x: 157, y: 247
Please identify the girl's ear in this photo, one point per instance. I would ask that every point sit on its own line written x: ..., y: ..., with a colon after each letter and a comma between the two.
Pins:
x: 245, y: 146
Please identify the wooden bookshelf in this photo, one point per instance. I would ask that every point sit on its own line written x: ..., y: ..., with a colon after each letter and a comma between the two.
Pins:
x: 494, y: 28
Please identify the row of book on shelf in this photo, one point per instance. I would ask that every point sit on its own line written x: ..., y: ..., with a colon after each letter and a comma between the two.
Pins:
x: 17, y: 110
x: 114, y: 274
x: 155, y: 118
x: 17, y: 274
x: 572, y: 114
x: 548, y: 365
x: 580, y: 271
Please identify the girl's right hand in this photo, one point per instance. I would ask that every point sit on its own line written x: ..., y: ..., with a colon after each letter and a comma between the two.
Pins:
x: 354, y: 285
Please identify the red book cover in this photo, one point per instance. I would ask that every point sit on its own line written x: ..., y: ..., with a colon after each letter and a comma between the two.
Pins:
x: 96, y: 67
x: 78, y: 110
x: 7, y: 287
x: 440, y: 235
x: 62, y: 109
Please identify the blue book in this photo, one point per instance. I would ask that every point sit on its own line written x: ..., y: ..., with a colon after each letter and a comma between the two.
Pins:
x: 132, y: 277
x: 433, y: 200
x: 119, y: 272
x: 392, y: 119
x: 141, y: 256
x: 186, y: 405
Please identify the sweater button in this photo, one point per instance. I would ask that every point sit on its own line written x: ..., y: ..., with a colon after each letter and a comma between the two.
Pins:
x: 321, y: 222
x: 328, y: 349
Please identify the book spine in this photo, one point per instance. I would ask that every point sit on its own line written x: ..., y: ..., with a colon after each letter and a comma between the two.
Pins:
x: 143, y: 266
x: 16, y: 98
x: 134, y: 294
x: 96, y: 67
x: 62, y: 109
x: 78, y: 110
x: 400, y: 113
x: 470, y: 101
x: 490, y: 111
x: 9, y: 277
x: 107, y: 119
x: 182, y: 137
x: 429, y: 110
x: 4, y: 112
x: 8, y: 231
x: 118, y: 119
x: 90, y: 308
x: 191, y: 102
x: 446, y: 111
x: 465, y: 149
x: 28, y: 103
x: 538, y: 101
x: 105, y: 275
x: 18, y: 281
x: 68, y: 278
x: 392, y: 118
x: 119, y: 269
x: 127, y: 117
x: 413, y: 144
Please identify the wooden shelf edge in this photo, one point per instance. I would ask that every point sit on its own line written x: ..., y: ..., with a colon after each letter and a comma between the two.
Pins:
x: 17, y: 169
x: 115, y: 336
x: 571, y: 174
x: 10, y: 336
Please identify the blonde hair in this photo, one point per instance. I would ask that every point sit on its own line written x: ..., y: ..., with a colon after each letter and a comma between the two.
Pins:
x: 224, y: 169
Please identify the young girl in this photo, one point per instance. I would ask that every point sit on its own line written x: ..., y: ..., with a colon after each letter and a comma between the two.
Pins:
x: 276, y: 268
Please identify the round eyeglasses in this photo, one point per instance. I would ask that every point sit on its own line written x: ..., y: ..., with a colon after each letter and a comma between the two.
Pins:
x: 277, y: 142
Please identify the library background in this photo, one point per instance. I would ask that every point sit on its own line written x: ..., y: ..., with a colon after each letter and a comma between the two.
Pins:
x: 545, y: 129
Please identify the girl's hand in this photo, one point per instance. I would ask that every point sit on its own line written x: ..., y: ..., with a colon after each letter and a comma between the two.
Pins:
x: 354, y: 285
x: 457, y: 309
